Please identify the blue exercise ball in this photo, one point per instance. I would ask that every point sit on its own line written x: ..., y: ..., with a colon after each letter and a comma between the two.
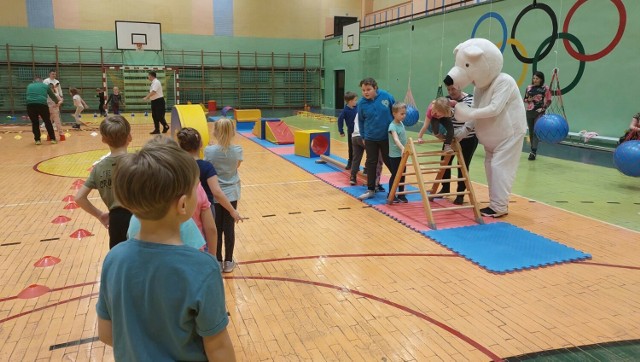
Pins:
x: 626, y: 158
x: 412, y: 116
x: 551, y: 128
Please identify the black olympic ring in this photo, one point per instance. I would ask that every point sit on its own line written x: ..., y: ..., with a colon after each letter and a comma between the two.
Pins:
x: 572, y: 38
x: 554, y: 33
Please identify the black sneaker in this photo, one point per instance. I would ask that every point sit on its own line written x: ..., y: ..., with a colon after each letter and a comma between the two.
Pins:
x: 532, y: 156
x: 352, y: 182
x: 380, y: 189
x: 164, y: 130
x: 75, y: 126
x: 487, y: 211
x: 155, y: 132
x: 402, y: 199
x: 348, y: 166
x: 459, y: 200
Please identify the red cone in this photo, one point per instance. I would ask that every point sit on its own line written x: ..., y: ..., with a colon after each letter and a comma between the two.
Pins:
x: 71, y: 206
x: 60, y: 220
x: 33, y: 291
x: 69, y: 198
x: 81, y: 233
x: 46, y: 261
x: 78, y: 182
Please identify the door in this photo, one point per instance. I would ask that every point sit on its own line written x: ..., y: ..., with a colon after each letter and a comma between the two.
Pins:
x: 339, y: 89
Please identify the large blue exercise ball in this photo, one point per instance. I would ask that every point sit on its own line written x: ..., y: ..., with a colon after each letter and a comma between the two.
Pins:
x: 626, y: 158
x: 412, y: 116
x: 551, y: 128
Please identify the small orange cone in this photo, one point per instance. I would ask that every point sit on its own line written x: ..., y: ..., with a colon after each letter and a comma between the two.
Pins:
x: 33, y: 291
x: 80, y: 233
x: 71, y: 206
x: 46, y: 261
x: 69, y: 198
x: 60, y: 220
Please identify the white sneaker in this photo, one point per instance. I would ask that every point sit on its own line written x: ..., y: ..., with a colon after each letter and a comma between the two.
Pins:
x: 447, y: 149
x: 229, y: 266
x: 367, y: 195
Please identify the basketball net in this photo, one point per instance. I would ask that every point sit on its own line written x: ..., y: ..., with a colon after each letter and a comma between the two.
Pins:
x: 557, y: 105
x: 138, y: 46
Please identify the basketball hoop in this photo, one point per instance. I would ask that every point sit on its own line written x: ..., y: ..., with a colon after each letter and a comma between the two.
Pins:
x: 138, y: 46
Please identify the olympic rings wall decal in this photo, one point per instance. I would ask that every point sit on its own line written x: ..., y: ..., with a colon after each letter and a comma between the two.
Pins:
x: 525, y: 66
x: 578, y: 43
x: 502, y: 23
x: 547, y: 45
x: 554, y: 31
x: 622, y: 13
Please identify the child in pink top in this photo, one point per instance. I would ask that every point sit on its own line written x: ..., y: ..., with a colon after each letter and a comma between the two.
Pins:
x: 203, y: 207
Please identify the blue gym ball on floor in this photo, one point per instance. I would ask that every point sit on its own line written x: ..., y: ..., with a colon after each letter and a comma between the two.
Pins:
x: 551, y: 128
x: 626, y: 158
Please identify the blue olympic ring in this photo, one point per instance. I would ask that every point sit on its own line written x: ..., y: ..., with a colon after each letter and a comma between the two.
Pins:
x: 503, y: 24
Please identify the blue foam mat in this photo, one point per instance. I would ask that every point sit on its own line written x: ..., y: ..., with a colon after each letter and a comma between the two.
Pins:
x: 501, y: 247
x: 309, y: 164
x: 264, y: 143
x: 355, y: 191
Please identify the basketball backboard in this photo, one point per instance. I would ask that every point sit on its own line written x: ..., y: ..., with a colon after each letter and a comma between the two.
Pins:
x: 130, y: 33
x: 351, y: 37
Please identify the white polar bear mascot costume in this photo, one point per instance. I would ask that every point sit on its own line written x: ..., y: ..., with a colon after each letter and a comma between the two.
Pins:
x: 498, y: 116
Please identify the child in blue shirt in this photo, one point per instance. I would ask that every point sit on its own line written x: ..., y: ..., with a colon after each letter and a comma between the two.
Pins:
x: 374, y: 117
x: 397, y: 140
x: 348, y: 116
x: 160, y: 299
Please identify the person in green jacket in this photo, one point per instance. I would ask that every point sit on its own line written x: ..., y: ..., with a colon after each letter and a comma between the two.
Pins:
x: 37, y: 107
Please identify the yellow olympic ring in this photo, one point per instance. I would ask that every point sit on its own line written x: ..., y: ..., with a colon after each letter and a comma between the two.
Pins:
x: 525, y: 66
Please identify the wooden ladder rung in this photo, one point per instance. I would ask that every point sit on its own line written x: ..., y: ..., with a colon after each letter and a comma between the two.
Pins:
x: 408, y: 192
x: 453, y: 208
x: 435, y: 196
x: 445, y: 180
x: 427, y: 141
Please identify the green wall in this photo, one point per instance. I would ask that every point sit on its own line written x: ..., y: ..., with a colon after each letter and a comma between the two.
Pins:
x: 602, y: 101
x: 92, y: 39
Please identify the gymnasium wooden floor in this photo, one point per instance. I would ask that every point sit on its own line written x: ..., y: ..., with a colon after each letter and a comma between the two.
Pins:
x: 320, y: 276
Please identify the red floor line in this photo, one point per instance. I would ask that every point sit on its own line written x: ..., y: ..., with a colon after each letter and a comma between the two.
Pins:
x: 306, y: 257
x: 47, y: 306
x: 609, y: 265
x: 8, y: 298
x: 420, y: 315
x: 74, y: 286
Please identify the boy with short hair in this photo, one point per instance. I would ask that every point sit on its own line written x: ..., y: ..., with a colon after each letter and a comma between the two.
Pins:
x: 374, y: 117
x: 116, y: 133
x: 348, y: 116
x: 160, y: 299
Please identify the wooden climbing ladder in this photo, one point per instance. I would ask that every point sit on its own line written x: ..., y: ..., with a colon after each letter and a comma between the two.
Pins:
x: 422, y: 165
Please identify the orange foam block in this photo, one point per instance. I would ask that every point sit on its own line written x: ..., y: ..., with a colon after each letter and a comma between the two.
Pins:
x: 81, y: 233
x: 60, y: 220
x: 33, y: 291
x: 46, y: 261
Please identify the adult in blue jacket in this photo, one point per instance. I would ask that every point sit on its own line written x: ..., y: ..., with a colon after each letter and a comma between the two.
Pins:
x: 374, y: 117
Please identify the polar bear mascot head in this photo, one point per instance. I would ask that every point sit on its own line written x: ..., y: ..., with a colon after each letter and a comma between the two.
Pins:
x: 478, y: 61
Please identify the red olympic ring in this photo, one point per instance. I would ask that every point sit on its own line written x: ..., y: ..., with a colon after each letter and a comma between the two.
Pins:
x: 622, y: 13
